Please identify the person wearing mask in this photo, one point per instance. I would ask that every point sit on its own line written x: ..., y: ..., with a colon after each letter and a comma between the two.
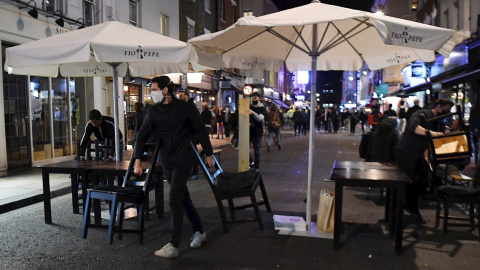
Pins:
x: 175, y: 123
x: 274, y: 116
x: 335, y: 119
x: 234, y: 126
x: 409, y: 154
x: 102, y: 127
x: 257, y: 114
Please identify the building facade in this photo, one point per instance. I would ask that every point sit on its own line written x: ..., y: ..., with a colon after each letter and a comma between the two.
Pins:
x: 43, y: 117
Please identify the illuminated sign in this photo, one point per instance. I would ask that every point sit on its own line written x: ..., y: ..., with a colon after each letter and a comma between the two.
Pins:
x: 247, y: 90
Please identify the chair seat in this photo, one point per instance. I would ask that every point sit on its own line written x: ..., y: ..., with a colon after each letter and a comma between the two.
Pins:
x: 458, y: 191
x: 135, y: 191
x: 235, y: 181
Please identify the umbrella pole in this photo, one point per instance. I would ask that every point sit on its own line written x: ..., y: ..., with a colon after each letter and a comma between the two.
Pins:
x: 115, y: 109
x: 311, y: 145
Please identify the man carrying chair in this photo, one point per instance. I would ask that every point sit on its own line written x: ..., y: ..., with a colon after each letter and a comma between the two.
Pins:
x: 174, y: 123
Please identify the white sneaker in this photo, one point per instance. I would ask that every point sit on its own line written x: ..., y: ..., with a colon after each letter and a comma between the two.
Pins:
x: 168, y: 251
x: 197, y: 239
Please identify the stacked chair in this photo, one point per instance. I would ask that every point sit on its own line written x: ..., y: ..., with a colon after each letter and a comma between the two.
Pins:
x: 131, y: 192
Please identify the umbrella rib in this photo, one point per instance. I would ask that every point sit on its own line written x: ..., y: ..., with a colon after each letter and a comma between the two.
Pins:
x: 343, y: 37
x: 299, y: 35
x: 321, y: 40
x: 275, y: 33
x: 245, y: 40
x: 348, y: 41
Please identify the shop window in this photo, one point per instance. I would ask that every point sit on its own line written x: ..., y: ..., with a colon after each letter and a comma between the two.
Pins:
x: 247, y: 12
x: 414, y: 5
x: 234, y: 12
x: 207, y: 6
x: 190, y: 28
x: 133, y: 14
x: 222, y: 10
x: 89, y: 12
x: 164, y: 25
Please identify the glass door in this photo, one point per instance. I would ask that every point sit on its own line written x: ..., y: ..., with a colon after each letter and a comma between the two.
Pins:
x: 16, y: 118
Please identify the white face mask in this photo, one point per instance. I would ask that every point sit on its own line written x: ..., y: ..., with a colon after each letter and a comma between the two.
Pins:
x: 157, y: 96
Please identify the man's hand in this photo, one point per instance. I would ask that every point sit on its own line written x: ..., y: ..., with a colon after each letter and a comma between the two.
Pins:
x: 138, y: 170
x: 210, y: 161
x: 250, y: 111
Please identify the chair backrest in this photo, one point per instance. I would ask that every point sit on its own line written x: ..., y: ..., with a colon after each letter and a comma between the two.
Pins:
x: 150, y: 170
x: 211, y: 175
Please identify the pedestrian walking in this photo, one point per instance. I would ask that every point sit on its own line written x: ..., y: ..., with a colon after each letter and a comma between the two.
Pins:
x: 175, y: 123
x: 257, y: 114
x: 275, y: 123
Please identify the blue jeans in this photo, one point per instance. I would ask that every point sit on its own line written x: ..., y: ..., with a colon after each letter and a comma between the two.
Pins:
x: 272, y: 131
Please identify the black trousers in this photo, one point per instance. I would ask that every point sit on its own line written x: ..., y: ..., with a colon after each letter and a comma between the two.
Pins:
x: 180, y: 201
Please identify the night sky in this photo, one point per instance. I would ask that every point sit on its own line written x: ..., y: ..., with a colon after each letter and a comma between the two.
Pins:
x: 354, y: 4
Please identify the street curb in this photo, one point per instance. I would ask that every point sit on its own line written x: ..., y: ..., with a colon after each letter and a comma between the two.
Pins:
x: 33, y: 200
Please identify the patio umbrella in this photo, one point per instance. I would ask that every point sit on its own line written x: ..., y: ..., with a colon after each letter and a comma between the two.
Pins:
x: 318, y: 36
x: 106, y: 49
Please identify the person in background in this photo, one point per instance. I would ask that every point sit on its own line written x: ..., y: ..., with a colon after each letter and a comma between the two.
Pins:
x: 384, y: 140
x: 402, y: 114
x: 409, y: 154
x: 305, y: 122
x: 274, y: 115
x: 297, y: 120
x: 226, y: 117
x: 412, y: 109
x: 102, y: 127
x: 335, y: 119
x: 290, y: 116
x: 175, y: 122
x: 234, y: 127
x: 374, y: 118
x: 362, y: 118
x: 474, y: 122
x: 353, y: 121
x: 214, y: 122
x: 257, y: 114
x: 219, y: 120
x: 390, y: 112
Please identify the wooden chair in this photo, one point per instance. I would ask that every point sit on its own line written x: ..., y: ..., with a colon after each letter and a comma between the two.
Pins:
x: 449, y: 194
x: 118, y: 196
x: 232, y: 185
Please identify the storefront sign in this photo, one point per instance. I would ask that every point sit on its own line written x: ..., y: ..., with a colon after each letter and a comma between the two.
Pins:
x: 418, y: 71
x: 381, y: 89
x: 226, y: 84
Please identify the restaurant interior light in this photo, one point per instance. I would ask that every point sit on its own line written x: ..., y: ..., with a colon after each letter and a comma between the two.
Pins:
x: 60, y: 22
x: 34, y: 11
x: 194, y: 77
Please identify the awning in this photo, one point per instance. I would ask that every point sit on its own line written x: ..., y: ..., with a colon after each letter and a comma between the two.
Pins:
x: 418, y: 88
x: 461, y: 79
x: 280, y: 103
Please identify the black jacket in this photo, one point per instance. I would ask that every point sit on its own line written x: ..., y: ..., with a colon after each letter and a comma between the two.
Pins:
x: 105, y: 131
x: 174, y: 125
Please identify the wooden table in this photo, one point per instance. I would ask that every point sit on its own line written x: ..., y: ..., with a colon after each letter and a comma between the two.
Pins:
x: 371, y: 174
x: 84, y: 169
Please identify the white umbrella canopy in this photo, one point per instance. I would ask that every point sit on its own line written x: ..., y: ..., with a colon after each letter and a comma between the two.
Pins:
x: 318, y: 36
x: 106, y: 49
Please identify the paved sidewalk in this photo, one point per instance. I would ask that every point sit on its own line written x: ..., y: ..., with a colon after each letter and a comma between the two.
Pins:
x: 23, y: 186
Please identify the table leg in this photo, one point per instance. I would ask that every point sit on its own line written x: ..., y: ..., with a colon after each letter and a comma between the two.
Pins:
x: 338, y: 215
x: 47, y: 205
x: 392, y: 215
x: 74, y: 183
x: 399, y: 219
